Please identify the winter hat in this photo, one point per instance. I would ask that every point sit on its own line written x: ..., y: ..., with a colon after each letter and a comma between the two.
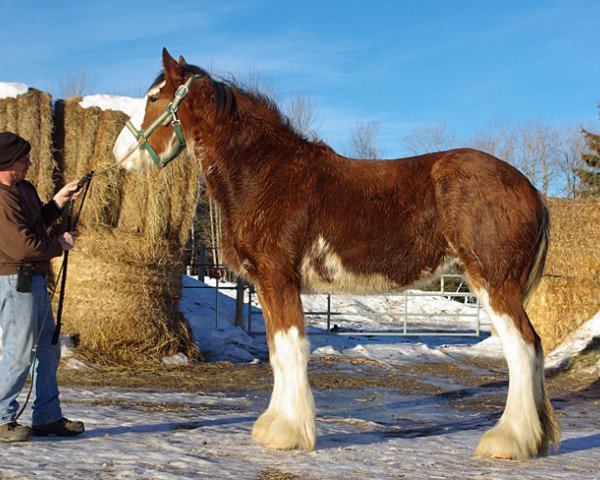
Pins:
x: 12, y: 148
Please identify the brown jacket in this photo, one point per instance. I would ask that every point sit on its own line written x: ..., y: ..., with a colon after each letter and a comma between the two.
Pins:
x: 24, y: 222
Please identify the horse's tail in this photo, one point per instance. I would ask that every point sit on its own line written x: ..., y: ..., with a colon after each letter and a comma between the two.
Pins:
x: 540, y: 250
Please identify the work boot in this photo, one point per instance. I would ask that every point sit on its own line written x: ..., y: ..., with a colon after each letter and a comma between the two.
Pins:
x: 60, y: 428
x: 13, y: 432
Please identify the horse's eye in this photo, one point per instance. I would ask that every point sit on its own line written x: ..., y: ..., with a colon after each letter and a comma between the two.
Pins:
x: 153, y: 98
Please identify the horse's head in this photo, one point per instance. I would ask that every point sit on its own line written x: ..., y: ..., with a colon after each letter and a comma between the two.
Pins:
x: 154, y: 135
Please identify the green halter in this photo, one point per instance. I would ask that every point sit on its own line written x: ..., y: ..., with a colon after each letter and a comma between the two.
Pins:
x: 168, y: 116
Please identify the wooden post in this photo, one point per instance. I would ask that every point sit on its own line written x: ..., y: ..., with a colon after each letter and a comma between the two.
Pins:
x: 239, y: 303
x: 201, y: 259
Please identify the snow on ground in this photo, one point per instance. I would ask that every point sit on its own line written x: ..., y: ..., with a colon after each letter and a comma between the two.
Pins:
x: 575, y: 343
x: 368, y: 434
x: 371, y: 433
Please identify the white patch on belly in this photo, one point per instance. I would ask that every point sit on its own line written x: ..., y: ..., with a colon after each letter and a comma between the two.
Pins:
x: 322, y: 271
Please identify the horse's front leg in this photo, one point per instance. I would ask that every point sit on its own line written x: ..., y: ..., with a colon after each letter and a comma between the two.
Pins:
x: 289, y: 422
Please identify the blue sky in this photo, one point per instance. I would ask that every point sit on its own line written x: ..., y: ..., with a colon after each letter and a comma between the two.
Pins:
x: 403, y: 64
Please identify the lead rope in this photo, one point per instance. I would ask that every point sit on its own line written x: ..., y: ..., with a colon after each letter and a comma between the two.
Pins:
x: 62, y: 275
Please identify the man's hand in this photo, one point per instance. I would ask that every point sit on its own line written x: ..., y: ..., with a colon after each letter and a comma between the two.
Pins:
x: 70, y: 190
x: 67, y: 240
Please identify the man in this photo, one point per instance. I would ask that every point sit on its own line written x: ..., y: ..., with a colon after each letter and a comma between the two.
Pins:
x: 25, y: 310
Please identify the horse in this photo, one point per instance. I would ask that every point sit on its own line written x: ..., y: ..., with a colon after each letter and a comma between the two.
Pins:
x: 298, y: 217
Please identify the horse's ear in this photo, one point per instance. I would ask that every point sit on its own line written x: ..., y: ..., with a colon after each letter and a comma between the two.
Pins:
x: 170, y: 66
x: 182, y: 60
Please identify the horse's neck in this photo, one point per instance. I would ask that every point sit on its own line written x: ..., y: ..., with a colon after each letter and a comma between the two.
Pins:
x: 222, y: 179
x: 233, y: 155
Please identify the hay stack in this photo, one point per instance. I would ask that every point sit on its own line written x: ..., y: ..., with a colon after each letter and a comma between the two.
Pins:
x: 124, y: 278
x: 30, y: 116
x: 569, y: 292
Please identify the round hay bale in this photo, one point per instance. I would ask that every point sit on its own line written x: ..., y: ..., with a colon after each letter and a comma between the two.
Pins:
x: 569, y: 292
x: 574, y: 238
x: 89, y: 136
x: 560, y: 306
x: 123, y: 307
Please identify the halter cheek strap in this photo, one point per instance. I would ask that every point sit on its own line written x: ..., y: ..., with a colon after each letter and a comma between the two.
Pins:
x: 168, y: 116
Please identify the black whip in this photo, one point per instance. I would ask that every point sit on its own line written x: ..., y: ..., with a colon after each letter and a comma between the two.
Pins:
x: 71, y: 225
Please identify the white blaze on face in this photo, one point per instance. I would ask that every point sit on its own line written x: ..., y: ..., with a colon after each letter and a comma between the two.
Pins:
x: 126, y: 149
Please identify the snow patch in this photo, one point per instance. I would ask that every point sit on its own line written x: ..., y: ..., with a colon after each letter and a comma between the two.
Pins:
x: 575, y: 343
x: 177, y: 359
x: 12, y: 90
x: 127, y: 105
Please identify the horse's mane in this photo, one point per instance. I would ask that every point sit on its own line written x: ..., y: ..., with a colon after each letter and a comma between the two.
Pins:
x: 224, y: 97
x: 232, y: 97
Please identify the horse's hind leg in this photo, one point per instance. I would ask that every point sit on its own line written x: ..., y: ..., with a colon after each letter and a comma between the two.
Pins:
x: 528, y: 423
x: 289, y: 422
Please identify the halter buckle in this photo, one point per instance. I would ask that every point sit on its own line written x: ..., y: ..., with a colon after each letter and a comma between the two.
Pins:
x: 181, y: 91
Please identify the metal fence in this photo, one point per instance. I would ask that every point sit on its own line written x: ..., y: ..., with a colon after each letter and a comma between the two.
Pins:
x: 451, y: 287
x: 403, y: 316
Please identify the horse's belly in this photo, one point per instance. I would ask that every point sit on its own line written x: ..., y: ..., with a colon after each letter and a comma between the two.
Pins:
x: 322, y: 271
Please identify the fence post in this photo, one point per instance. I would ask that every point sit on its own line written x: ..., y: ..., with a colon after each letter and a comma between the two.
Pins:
x: 239, y: 303
x: 201, y: 261
x: 250, y: 292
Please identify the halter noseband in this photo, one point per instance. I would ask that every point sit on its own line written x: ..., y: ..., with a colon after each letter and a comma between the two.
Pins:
x: 168, y: 116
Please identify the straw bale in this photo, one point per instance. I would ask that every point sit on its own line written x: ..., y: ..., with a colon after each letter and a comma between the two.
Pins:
x: 569, y: 292
x: 124, y: 277
x: 88, y: 139
x: 30, y: 116
x: 9, y: 120
x: 123, y: 309
x: 574, y: 238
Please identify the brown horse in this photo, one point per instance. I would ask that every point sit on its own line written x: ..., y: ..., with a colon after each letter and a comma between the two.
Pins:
x: 299, y: 217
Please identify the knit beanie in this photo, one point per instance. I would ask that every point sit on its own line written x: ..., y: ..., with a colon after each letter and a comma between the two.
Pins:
x: 12, y: 148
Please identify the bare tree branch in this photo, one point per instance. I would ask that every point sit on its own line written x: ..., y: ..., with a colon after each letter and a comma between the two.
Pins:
x: 301, y: 112
x: 430, y: 138
x: 76, y: 83
x: 363, y: 140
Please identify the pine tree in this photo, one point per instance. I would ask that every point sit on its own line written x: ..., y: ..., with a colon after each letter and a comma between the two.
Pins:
x: 590, y: 178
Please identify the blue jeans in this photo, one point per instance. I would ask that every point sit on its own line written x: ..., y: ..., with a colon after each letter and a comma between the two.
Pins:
x: 22, y: 317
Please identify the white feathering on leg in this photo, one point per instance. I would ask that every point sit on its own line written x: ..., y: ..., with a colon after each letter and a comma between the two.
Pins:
x: 289, y: 422
x: 518, y: 433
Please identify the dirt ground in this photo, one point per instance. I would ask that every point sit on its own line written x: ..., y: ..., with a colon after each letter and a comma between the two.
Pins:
x: 348, y: 374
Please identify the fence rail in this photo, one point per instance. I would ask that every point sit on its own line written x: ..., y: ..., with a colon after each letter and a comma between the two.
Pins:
x: 405, y: 316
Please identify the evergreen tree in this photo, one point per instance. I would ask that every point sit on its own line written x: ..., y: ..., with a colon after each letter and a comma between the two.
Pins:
x: 590, y: 178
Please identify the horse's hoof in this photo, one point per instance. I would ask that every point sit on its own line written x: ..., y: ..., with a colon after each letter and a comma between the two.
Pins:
x: 279, y: 433
x: 502, y: 443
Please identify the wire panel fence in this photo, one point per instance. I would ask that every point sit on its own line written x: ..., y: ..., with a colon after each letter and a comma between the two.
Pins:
x: 400, y: 320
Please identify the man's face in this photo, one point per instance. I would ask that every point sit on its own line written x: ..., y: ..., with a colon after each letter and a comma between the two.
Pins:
x: 17, y: 171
